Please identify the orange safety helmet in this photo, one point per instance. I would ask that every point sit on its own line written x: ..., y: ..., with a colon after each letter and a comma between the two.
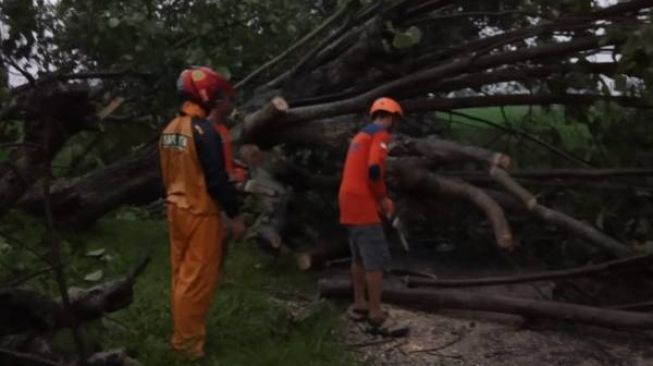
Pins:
x: 203, y: 85
x: 388, y: 105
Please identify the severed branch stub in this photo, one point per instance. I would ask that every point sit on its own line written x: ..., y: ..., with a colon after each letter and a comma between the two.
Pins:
x: 259, y: 121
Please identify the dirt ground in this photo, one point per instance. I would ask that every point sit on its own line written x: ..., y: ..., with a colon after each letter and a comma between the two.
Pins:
x: 477, y: 339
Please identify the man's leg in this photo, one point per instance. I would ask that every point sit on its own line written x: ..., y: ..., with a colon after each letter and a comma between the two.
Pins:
x: 178, y: 246
x: 195, y: 285
x: 375, y: 256
x: 358, y: 281
x: 357, y: 273
x: 374, y: 281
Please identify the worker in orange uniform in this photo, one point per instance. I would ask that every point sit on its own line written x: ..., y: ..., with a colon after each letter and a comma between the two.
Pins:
x: 362, y: 199
x: 198, y: 188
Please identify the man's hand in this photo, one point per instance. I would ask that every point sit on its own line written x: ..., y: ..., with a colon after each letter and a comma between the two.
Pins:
x: 239, y: 175
x: 238, y: 227
x: 387, y: 206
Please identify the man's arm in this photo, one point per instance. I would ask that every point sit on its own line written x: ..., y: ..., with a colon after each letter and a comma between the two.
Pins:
x: 209, y: 153
x: 376, y: 163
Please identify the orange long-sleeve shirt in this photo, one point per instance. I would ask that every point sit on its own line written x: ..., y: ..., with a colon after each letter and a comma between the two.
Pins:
x: 363, y: 184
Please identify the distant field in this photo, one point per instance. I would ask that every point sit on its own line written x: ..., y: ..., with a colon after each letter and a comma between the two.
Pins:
x: 549, y: 125
x: 514, y: 114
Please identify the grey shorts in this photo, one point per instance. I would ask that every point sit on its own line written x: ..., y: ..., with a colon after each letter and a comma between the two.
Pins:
x: 368, y: 246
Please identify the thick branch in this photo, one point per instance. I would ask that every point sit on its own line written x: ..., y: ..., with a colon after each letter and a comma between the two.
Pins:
x: 415, y: 179
x: 430, y: 104
x: 572, y: 21
x: 449, y: 151
x: 590, y: 174
x: 78, y: 202
x: 93, y: 75
x: 333, y: 18
x: 358, y: 103
x: 559, y: 218
x: 516, y: 74
x: 471, y: 14
x: 621, y: 264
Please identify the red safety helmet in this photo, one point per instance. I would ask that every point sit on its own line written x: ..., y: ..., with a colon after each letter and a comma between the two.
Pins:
x: 387, y: 105
x: 203, y: 85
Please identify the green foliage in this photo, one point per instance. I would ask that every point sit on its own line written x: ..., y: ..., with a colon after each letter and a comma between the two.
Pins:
x: 260, y: 315
x: 257, y: 319
x: 156, y: 37
x: 604, y: 134
x: 637, y: 54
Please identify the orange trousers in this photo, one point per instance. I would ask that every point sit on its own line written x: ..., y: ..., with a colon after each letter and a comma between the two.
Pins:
x: 195, y: 254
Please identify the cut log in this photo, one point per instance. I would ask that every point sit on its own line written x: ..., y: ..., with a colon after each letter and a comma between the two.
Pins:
x: 625, y: 264
x: 435, y: 300
x: 257, y: 122
x: 323, y: 250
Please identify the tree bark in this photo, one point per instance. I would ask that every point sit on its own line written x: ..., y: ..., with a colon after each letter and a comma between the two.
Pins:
x: 79, y: 202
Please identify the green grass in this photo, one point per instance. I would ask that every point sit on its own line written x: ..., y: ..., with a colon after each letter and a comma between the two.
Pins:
x: 256, y: 318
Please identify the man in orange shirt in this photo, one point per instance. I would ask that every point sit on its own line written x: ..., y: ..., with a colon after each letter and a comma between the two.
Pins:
x: 194, y: 161
x: 362, y: 198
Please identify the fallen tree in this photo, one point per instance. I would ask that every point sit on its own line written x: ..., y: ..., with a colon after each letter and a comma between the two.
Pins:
x: 314, y: 105
x: 436, y: 300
